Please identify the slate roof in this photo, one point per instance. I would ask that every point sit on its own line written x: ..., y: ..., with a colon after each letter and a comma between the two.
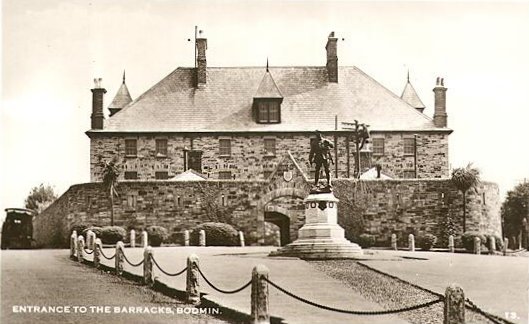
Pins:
x: 411, y: 97
x: 268, y: 88
x: 225, y: 104
x: 122, y: 97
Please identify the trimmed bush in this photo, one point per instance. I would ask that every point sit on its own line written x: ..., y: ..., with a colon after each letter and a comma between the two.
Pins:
x: 79, y: 228
x: 426, y: 241
x: 366, y: 240
x: 157, y: 235
x: 217, y: 234
x: 468, y: 240
x: 97, y: 231
x: 112, y: 234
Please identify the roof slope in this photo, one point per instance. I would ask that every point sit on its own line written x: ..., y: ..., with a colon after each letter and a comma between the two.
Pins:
x: 411, y: 97
x: 122, y: 97
x: 268, y: 88
x: 225, y: 104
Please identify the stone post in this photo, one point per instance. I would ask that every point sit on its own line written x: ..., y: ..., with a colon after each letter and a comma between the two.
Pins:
x: 451, y: 245
x: 202, y: 238
x: 192, y: 283
x: 454, y: 310
x: 148, y: 278
x: 132, y: 238
x: 505, y: 245
x: 394, y: 242
x: 241, y: 238
x: 80, y: 248
x: 144, y: 239
x: 492, y: 244
x: 260, y: 298
x: 73, y: 244
x: 186, y: 238
x: 119, y: 260
x: 477, y: 245
x: 97, y: 252
x: 525, y: 239
x: 411, y: 243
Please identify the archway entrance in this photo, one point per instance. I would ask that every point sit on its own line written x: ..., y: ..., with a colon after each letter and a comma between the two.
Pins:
x: 283, y: 222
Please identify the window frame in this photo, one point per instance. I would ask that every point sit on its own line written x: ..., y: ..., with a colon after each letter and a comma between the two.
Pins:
x: 128, y: 148
x: 407, y: 146
x: 274, y: 148
x: 130, y: 172
x: 164, y: 151
x: 378, y: 150
x: 264, y: 106
x: 226, y: 172
x: 409, y: 172
x: 157, y: 173
x: 224, y: 150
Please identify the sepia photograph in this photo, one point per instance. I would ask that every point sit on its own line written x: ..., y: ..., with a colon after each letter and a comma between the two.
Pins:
x: 239, y: 161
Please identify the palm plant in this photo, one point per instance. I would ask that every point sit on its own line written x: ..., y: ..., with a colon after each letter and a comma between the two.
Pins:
x: 464, y: 179
x: 110, y: 177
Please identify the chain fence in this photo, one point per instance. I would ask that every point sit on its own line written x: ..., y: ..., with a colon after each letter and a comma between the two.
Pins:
x: 165, y: 272
x: 87, y: 251
x: 104, y: 256
x: 222, y: 290
x: 494, y: 318
x: 132, y: 264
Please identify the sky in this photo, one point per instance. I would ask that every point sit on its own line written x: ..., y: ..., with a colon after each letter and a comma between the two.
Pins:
x: 52, y: 50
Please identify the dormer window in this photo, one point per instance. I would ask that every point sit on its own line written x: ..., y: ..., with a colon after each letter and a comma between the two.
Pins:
x: 267, y: 101
x: 268, y: 111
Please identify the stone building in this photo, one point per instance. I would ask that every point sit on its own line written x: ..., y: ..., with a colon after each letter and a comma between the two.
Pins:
x: 236, y: 122
x: 232, y: 145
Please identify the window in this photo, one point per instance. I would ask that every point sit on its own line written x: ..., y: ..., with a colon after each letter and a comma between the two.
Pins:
x: 225, y: 175
x: 161, y: 175
x: 378, y: 146
x: 224, y: 147
x: 131, y: 175
x: 268, y: 112
x: 409, y: 146
x: 131, y: 147
x: 161, y: 147
x: 408, y: 174
x: 270, y: 146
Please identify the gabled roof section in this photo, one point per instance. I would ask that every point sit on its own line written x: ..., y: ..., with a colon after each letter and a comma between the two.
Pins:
x: 310, y: 102
x: 268, y: 87
x: 411, y: 97
x: 122, y: 97
x: 189, y: 175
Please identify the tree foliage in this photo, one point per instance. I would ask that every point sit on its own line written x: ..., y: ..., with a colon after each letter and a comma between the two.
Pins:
x: 40, y: 198
x: 464, y: 179
x: 515, y: 208
x: 110, y: 178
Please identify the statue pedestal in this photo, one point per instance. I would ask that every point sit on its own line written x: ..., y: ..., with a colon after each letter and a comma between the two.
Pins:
x: 321, y: 237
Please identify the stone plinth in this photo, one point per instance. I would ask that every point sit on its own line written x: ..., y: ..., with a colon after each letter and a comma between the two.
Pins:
x: 321, y: 237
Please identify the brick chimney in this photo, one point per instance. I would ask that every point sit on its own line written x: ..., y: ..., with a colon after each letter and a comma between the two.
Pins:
x: 332, y: 58
x: 202, y: 45
x: 439, y: 115
x: 97, y: 105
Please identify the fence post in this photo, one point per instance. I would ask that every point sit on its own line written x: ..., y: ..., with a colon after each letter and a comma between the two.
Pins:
x: 492, y: 244
x: 260, y: 296
x: 73, y: 244
x: 451, y: 246
x: 192, y: 284
x: 148, y: 278
x: 241, y: 238
x: 411, y: 243
x: 202, y: 238
x: 186, y: 238
x: 144, y: 239
x: 394, y: 241
x: 119, y: 258
x: 132, y: 238
x: 97, y: 252
x: 454, y: 310
x: 477, y: 245
x: 505, y: 245
x: 80, y: 248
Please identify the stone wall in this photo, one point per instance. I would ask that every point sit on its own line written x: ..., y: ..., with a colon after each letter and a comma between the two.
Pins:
x: 377, y: 207
x: 249, y: 160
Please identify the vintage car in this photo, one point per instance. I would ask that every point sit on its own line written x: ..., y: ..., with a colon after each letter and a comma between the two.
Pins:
x: 17, y: 230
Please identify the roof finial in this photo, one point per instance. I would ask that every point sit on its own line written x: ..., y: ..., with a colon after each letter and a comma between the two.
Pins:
x: 408, y: 74
x: 123, y: 76
x: 267, y: 64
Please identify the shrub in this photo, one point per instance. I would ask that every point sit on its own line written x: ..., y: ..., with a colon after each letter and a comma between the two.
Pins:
x: 468, y: 240
x: 217, y: 234
x: 157, y: 235
x: 112, y: 234
x: 79, y: 228
x: 366, y: 240
x: 97, y: 231
x: 426, y: 241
